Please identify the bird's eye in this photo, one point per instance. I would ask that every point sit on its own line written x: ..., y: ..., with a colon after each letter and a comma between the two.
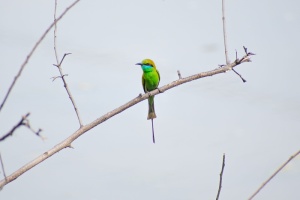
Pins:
x: 149, y: 64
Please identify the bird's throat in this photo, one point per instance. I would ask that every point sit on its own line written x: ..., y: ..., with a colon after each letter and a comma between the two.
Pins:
x: 147, y: 68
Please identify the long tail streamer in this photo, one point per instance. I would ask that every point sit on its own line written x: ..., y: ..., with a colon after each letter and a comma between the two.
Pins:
x: 153, y: 131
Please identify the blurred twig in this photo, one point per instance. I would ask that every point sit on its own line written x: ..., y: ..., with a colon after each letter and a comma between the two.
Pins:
x: 19, y: 124
x: 58, y: 65
x: 221, y: 177
x: 224, y: 32
x: 55, y: 30
x: 32, y: 51
x: 2, y: 166
x: 274, y: 174
x: 23, y: 122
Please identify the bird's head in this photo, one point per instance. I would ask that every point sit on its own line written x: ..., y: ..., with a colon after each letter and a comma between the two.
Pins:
x: 146, y: 64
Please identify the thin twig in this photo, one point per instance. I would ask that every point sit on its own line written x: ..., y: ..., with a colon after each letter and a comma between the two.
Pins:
x: 32, y: 51
x: 55, y: 77
x: 68, y: 141
x: 58, y: 65
x: 225, y: 40
x: 37, y: 133
x: 274, y: 174
x: 23, y: 122
x: 55, y: 30
x: 19, y: 124
x: 244, y: 80
x: 221, y: 177
x: 2, y: 166
x: 60, y: 69
x: 224, y: 32
x: 62, y: 76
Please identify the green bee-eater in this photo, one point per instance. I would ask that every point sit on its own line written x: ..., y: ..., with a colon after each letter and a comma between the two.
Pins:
x: 150, y: 81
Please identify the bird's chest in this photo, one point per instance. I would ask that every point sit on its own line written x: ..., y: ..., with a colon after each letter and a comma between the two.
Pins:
x: 151, y: 80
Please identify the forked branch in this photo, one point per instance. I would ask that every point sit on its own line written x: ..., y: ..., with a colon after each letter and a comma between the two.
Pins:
x: 23, y: 122
x: 62, y: 76
x: 225, y: 40
x: 58, y: 65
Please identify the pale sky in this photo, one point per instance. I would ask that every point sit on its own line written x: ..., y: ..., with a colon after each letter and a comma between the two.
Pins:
x: 256, y: 124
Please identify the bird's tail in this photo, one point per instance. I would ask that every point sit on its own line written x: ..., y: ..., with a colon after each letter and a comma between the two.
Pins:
x: 151, y: 111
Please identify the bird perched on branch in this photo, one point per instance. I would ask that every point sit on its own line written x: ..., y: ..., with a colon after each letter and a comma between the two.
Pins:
x: 150, y: 81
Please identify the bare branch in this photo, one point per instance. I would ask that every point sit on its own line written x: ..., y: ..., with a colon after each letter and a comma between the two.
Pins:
x: 2, y: 166
x: 244, y: 80
x: 62, y: 75
x: 225, y: 40
x: 58, y: 65
x: 224, y: 32
x: 23, y: 122
x: 55, y: 77
x: 32, y: 51
x: 20, y: 123
x: 221, y: 177
x: 37, y: 133
x: 274, y: 174
x: 55, y: 30
x: 68, y: 141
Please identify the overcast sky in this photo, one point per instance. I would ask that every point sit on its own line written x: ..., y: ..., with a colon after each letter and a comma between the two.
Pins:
x: 256, y: 124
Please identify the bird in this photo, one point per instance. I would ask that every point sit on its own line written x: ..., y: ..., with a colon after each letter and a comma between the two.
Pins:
x: 150, y: 81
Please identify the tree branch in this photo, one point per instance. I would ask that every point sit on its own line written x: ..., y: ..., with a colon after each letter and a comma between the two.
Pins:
x: 62, y: 76
x: 224, y: 32
x: 2, y: 166
x: 55, y: 30
x: 221, y: 177
x: 19, y: 124
x: 58, y: 65
x: 32, y: 51
x: 225, y: 40
x: 23, y: 122
x: 68, y: 141
x: 273, y: 175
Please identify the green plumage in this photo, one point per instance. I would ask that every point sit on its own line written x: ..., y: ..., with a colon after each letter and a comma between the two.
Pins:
x: 150, y: 81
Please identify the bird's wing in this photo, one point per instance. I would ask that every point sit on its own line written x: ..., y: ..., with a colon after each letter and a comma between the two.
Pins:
x: 144, y: 85
x: 158, y: 77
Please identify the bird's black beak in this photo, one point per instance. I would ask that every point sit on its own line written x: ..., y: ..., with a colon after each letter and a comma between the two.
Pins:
x: 138, y: 64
